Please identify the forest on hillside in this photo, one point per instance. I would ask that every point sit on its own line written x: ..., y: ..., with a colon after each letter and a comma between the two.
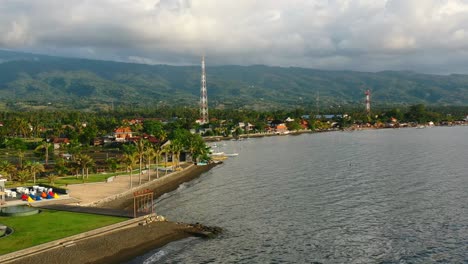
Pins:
x: 29, y: 81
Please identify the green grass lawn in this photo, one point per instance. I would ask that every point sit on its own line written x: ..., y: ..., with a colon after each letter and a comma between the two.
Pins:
x: 49, y: 226
x: 63, y: 181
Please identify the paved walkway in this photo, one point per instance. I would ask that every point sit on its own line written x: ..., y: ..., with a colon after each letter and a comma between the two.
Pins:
x: 87, y: 193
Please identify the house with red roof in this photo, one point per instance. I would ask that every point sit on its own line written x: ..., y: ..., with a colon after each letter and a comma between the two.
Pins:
x: 123, y: 133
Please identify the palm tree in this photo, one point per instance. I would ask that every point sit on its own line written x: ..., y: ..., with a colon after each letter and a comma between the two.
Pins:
x: 52, y: 178
x: 44, y: 145
x: 84, y: 161
x: 166, y: 149
x: 141, y: 149
x: 34, y: 167
x: 150, y: 154
x: 157, y: 154
x: 176, y: 148
x: 6, y: 168
x: 23, y: 176
x: 19, y: 146
x: 130, y: 160
x: 196, y: 147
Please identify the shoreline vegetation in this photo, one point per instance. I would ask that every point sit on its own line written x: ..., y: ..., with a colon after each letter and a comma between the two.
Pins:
x: 123, y: 243
x: 130, y: 242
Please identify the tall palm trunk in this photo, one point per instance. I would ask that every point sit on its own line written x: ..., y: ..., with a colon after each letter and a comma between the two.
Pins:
x: 141, y: 168
x: 149, y: 169
x: 157, y: 167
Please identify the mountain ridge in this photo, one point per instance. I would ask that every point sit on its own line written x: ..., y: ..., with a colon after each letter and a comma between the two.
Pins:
x: 47, y: 79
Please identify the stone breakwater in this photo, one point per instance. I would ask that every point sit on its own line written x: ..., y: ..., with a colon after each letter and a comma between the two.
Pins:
x: 114, y: 244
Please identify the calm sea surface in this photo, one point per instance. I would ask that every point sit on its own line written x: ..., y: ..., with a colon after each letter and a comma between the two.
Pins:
x: 380, y: 196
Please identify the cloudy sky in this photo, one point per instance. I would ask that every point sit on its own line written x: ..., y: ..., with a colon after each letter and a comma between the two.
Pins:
x: 369, y: 35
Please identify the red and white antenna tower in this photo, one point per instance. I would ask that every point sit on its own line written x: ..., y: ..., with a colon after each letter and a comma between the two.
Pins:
x: 367, y: 93
x: 203, y: 95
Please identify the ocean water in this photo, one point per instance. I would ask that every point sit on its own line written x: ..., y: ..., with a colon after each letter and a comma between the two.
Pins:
x: 378, y: 196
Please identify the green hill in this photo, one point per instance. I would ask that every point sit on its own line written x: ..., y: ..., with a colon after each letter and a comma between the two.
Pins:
x: 29, y: 80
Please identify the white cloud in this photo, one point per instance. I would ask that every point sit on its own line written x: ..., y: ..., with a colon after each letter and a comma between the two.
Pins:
x: 330, y: 34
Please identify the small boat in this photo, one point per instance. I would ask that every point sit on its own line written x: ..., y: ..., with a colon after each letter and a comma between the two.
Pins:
x: 231, y: 154
x: 217, y: 154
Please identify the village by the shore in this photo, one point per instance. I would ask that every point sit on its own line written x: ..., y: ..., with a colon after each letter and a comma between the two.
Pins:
x: 115, y: 195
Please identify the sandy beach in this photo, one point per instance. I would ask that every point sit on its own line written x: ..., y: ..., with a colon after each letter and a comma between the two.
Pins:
x: 127, y: 243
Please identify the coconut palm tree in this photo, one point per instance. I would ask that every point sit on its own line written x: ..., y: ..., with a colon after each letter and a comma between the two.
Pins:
x: 141, y: 150
x: 7, y: 169
x: 130, y: 160
x: 44, y: 145
x: 23, y: 176
x: 150, y: 154
x: 34, y: 168
x: 166, y: 149
x: 85, y: 162
x: 196, y: 147
x: 157, y: 154
x: 176, y: 148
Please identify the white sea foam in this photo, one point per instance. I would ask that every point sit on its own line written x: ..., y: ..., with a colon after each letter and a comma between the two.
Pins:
x: 155, y: 257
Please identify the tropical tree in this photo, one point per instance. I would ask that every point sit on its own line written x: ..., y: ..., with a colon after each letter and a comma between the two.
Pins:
x: 166, y: 149
x: 150, y: 154
x: 60, y: 166
x: 51, y: 178
x: 34, y: 168
x: 74, y: 148
x: 6, y: 168
x: 85, y: 162
x: 19, y: 146
x: 44, y: 145
x: 23, y: 176
x: 141, y: 146
x: 112, y: 164
x: 157, y: 154
x: 175, y: 148
x: 196, y: 146
x: 130, y: 160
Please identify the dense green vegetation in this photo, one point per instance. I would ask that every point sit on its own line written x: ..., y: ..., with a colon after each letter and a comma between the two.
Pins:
x: 41, y: 82
x: 49, y: 226
x: 28, y: 155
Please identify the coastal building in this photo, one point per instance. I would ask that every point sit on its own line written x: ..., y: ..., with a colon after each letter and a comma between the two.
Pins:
x: 122, y: 133
x: 246, y: 126
x: 59, y: 142
x: 281, y: 128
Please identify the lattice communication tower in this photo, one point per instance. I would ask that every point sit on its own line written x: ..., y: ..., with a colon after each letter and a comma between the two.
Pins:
x: 367, y: 93
x: 203, y: 95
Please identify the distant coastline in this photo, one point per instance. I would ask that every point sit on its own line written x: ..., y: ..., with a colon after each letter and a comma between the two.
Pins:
x: 308, y: 131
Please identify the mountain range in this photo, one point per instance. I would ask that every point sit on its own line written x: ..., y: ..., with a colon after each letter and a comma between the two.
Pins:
x: 32, y: 81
